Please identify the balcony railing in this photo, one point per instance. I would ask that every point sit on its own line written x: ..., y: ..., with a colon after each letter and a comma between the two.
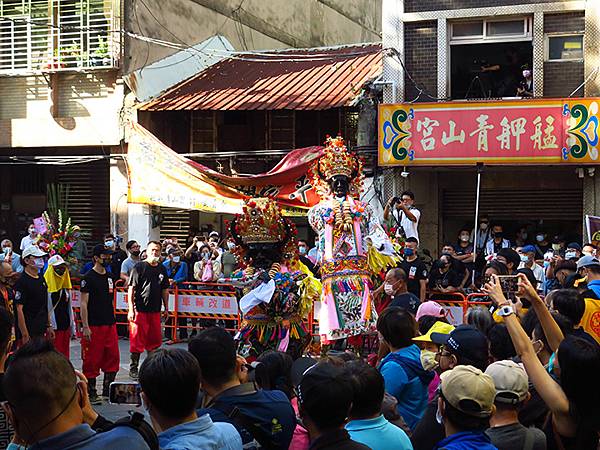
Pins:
x: 57, y: 35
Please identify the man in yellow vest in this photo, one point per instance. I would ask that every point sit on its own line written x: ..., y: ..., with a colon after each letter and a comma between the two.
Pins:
x: 589, y: 267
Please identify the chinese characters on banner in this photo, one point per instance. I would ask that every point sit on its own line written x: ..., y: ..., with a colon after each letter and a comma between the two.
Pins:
x: 461, y: 133
x: 160, y: 176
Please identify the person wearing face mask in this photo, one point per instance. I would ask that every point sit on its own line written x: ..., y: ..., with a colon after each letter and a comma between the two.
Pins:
x: 444, y: 276
x: 133, y: 248
x: 429, y: 351
x: 415, y: 269
x: 79, y: 250
x: 483, y: 235
x: 302, y: 256
x: 149, y: 288
x: 31, y: 299
x: 573, y: 251
x: 542, y: 246
x: 228, y: 259
x: 118, y: 256
x: 394, y: 286
x: 29, y: 239
x: 527, y: 255
x: 497, y: 242
x: 59, y: 303
x: 10, y: 256
x: 525, y: 89
x: 99, y: 342
x: 176, y: 268
x: 465, y: 345
x: 463, y: 248
x: 208, y: 269
x: 177, y: 271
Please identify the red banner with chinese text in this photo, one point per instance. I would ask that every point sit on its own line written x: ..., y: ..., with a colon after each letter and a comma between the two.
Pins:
x: 160, y: 176
x: 539, y: 131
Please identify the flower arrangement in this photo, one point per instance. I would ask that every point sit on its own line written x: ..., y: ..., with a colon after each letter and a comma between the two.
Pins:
x: 59, y: 236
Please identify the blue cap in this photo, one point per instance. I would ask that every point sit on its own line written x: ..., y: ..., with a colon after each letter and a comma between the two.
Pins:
x: 466, y: 341
x: 528, y: 249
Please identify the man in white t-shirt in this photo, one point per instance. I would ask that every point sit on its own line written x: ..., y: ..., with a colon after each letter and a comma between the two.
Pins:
x: 401, y: 216
x: 29, y: 239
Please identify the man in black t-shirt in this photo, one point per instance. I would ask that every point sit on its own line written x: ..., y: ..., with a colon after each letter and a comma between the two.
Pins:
x: 99, y: 344
x: 395, y: 287
x: 415, y: 269
x: 148, y: 289
x: 31, y: 298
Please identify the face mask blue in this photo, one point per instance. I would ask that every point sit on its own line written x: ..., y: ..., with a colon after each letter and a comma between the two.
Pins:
x: 409, y: 252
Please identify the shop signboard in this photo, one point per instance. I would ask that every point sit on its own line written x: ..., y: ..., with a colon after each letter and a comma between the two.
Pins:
x: 536, y: 131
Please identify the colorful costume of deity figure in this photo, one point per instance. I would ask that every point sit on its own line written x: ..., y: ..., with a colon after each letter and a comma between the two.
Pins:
x: 279, y: 292
x: 352, y: 245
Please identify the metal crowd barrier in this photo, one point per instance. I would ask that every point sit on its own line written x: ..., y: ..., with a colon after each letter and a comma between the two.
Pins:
x: 191, y: 300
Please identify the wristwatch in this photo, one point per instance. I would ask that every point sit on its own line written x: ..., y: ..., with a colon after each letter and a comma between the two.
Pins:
x: 506, y: 310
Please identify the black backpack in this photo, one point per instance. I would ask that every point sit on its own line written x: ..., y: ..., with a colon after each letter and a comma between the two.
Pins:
x: 136, y: 421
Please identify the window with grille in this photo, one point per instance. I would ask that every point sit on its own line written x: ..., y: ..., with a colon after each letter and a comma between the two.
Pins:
x: 54, y: 35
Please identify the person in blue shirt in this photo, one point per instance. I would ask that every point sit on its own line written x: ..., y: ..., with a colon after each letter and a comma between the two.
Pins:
x: 367, y: 424
x: 177, y: 271
x: 10, y: 256
x: 465, y: 405
x: 48, y: 404
x: 259, y: 415
x: 170, y: 381
x: 401, y: 368
x: 176, y: 268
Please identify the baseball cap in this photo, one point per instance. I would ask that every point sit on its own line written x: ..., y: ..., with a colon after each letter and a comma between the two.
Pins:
x: 56, y: 260
x: 574, y: 245
x: 511, y: 381
x: 438, y: 327
x: 465, y: 341
x: 213, y: 234
x: 528, y: 249
x: 33, y: 250
x: 299, y: 367
x: 468, y: 383
x: 430, y: 308
x: 100, y: 249
x: 173, y: 250
x: 587, y: 261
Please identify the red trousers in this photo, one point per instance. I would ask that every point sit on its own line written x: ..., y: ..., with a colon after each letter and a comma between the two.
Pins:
x: 101, y: 351
x: 62, y: 341
x: 145, y: 332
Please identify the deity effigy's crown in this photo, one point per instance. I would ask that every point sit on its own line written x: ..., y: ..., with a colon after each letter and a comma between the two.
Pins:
x: 261, y: 222
x: 337, y: 160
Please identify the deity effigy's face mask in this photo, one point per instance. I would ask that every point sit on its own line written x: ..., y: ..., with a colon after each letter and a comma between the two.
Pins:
x: 340, y: 185
x: 263, y: 255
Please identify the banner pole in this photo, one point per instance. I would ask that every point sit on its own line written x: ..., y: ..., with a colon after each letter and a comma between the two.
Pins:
x: 475, y: 238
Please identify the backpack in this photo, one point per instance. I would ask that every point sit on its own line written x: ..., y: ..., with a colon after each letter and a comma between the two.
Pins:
x: 241, y: 420
x: 136, y: 421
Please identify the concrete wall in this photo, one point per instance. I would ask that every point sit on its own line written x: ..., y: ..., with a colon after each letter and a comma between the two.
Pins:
x: 248, y: 24
x: 66, y: 109
x: 562, y: 77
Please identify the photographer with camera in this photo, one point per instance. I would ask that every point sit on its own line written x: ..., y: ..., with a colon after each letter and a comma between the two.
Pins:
x: 401, y: 217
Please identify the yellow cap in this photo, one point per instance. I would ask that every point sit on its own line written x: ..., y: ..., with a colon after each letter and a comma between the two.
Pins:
x: 438, y: 327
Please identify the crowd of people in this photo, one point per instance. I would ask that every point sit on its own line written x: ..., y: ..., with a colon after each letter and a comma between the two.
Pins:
x: 517, y: 374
